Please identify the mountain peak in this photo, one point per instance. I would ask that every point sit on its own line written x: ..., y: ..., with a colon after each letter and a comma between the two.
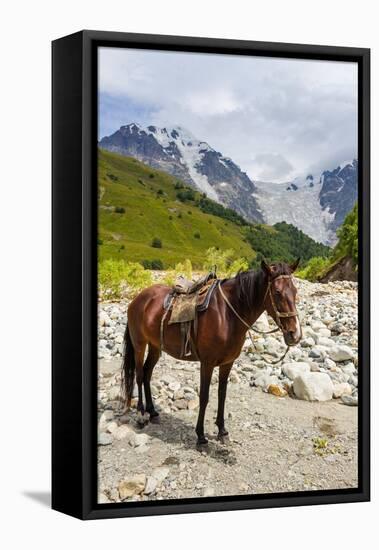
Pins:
x: 177, y: 151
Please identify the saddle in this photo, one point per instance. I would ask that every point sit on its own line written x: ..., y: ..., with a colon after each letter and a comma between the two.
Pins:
x: 185, y: 301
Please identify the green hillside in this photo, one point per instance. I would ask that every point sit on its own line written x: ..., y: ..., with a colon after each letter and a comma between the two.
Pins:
x: 146, y: 216
x: 140, y: 206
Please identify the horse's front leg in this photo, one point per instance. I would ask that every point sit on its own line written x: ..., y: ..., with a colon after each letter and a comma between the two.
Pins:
x: 205, y: 380
x: 222, y: 385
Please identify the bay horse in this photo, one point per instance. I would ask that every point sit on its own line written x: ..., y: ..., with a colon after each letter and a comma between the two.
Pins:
x: 221, y: 333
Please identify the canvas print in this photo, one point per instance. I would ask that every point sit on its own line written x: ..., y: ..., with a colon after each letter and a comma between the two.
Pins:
x: 227, y: 275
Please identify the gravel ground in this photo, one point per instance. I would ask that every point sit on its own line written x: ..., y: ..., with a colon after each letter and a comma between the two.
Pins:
x: 289, y: 426
x: 275, y: 444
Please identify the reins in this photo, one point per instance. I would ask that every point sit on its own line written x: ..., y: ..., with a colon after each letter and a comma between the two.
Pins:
x: 278, y: 315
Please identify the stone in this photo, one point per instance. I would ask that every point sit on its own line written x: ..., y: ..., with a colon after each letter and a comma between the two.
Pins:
x: 264, y: 380
x: 181, y: 404
x: 160, y: 473
x: 111, y: 427
x: 234, y: 378
x: 122, y: 432
x: 351, y: 400
x: 192, y: 404
x: 174, y: 386
x: 119, y: 338
x: 104, y: 319
x: 209, y: 492
x: 114, y: 393
x: 307, y: 342
x: 313, y: 386
x: 141, y: 439
x: 276, y: 390
x: 104, y: 439
x: 103, y: 499
x: 151, y: 485
x: 329, y: 364
x: 343, y: 388
x: 292, y: 370
x: 327, y: 342
x: 132, y: 486
x: 349, y: 368
x: 341, y: 353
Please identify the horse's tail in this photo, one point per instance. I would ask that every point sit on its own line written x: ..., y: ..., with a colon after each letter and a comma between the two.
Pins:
x: 128, y: 369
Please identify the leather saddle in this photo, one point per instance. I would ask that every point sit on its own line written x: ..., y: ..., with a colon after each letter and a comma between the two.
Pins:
x: 184, y: 301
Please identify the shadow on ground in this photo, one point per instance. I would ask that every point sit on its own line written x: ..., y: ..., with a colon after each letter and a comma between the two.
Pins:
x: 41, y: 497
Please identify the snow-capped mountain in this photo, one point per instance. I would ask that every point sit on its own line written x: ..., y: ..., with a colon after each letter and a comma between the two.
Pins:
x: 178, y: 152
x: 317, y: 204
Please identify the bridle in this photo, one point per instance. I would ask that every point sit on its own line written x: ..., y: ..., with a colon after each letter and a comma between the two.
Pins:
x: 278, y: 314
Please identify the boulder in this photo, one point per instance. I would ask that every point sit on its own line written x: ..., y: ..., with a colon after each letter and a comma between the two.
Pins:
x: 292, y: 370
x: 313, y: 386
x: 341, y: 353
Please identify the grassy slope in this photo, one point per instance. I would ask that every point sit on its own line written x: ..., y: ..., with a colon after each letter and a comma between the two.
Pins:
x: 147, y: 215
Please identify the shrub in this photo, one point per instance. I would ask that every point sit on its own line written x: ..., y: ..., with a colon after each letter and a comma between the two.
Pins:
x: 151, y: 176
x: 186, y: 195
x: 170, y: 217
x: 314, y: 269
x: 178, y: 185
x: 117, y: 277
x: 223, y: 260
x: 160, y: 192
x: 156, y: 243
x: 153, y: 264
x: 119, y: 209
x: 184, y: 269
x: 196, y: 235
x: 99, y: 242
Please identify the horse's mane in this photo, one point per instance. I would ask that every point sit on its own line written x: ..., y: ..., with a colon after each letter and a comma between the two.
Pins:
x: 251, y: 285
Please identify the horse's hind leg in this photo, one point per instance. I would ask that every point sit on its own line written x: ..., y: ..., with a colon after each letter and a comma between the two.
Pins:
x: 224, y: 371
x: 151, y: 361
x: 139, y: 355
x: 205, y: 380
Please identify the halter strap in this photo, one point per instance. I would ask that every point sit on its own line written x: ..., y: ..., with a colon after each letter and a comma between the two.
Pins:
x: 278, y: 314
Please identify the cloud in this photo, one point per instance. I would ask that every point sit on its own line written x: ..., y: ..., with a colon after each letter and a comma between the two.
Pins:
x: 271, y: 166
x: 278, y: 117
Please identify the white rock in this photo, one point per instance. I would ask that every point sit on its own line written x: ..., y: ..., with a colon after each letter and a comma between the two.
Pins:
x: 151, y: 485
x: 160, y: 473
x: 351, y: 400
x: 341, y: 389
x: 111, y: 427
x: 322, y: 341
x: 317, y: 325
x: 348, y: 369
x: 292, y: 370
x: 341, y: 353
x: 141, y: 439
x: 313, y: 386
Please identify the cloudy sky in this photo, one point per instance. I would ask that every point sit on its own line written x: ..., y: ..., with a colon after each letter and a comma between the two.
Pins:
x: 276, y: 118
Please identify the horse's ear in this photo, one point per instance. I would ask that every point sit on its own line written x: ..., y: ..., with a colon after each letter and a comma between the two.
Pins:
x: 266, y: 268
x: 294, y: 265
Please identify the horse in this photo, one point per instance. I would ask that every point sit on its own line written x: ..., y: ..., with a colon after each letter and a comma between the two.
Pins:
x: 221, y: 332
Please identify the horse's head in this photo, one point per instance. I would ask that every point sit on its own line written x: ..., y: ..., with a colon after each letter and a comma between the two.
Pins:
x: 280, y: 299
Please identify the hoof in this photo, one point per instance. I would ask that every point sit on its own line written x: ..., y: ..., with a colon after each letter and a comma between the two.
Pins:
x: 223, y: 439
x: 202, y: 441
x: 155, y: 418
x: 142, y: 419
x: 222, y: 433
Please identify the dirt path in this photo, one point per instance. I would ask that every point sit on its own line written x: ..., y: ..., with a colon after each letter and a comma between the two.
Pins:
x: 276, y: 444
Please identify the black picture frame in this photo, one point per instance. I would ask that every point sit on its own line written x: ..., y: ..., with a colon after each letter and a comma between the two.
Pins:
x: 74, y: 273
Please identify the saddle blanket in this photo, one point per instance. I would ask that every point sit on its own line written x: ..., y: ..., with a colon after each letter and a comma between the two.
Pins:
x: 183, y: 308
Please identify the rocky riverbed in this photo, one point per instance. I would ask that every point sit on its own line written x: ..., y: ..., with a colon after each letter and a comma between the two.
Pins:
x: 292, y: 425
